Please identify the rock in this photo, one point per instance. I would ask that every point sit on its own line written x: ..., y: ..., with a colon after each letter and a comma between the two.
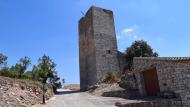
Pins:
x: 22, y: 98
x: 13, y: 93
x: 5, y: 89
x: 19, y: 93
x: 18, y: 99
x: 118, y: 104
x: 37, y: 93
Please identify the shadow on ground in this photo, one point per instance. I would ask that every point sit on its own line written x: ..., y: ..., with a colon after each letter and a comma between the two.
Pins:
x: 132, y: 95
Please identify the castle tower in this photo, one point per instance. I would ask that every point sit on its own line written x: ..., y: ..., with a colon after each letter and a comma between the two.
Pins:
x: 97, y: 46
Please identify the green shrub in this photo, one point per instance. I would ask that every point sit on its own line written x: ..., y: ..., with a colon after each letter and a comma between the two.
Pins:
x: 6, y: 72
x: 27, y: 75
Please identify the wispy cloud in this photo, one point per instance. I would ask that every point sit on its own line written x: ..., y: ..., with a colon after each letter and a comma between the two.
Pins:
x: 126, y: 30
x: 128, y: 33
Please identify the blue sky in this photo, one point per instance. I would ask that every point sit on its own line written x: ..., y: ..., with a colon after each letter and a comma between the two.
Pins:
x: 36, y: 27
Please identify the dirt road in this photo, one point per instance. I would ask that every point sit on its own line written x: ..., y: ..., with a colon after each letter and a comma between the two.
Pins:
x: 67, y: 98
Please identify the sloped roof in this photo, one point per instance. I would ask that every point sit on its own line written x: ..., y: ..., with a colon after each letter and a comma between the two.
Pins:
x: 175, y: 59
x: 164, y: 58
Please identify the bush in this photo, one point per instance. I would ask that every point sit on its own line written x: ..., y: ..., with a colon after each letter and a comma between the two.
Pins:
x: 138, y: 48
x: 110, y: 77
x: 27, y: 75
x: 6, y: 72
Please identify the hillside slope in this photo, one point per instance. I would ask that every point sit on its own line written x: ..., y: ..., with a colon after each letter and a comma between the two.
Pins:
x: 21, y: 93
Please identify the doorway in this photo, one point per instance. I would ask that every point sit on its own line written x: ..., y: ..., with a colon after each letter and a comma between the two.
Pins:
x: 151, y: 82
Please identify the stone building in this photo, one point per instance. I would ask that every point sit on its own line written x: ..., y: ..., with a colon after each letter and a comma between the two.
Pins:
x: 164, y: 75
x: 97, y: 46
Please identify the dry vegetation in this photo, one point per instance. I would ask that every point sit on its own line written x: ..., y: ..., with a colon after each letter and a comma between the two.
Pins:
x: 74, y: 87
x: 110, y: 77
x: 22, y: 81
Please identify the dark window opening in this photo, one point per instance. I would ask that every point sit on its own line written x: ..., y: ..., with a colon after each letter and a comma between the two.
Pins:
x: 108, y: 51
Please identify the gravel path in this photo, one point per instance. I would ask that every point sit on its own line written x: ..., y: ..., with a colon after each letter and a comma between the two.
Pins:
x: 67, y: 98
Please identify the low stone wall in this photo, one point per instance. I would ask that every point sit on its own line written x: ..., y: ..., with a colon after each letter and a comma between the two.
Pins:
x: 158, y: 103
x: 173, y: 76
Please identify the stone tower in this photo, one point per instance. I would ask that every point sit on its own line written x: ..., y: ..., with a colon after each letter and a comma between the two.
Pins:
x: 97, y: 46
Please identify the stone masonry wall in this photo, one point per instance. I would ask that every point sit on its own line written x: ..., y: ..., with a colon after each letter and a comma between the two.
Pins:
x: 87, y: 52
x: 97, y: 46
x: 122, y: 61
x: 105, y: 41
x: 172, y: 76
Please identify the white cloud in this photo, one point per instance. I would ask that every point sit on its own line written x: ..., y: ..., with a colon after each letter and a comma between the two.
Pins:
x: 128, y: 33
x: 126, y: 30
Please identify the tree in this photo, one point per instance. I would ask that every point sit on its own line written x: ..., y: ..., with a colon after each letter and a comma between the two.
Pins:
x: 55, y: 82
x: 23, y: 65
x: 3, y: 59
x: 138, y: 49
x: 15, y: 70
x: 35, y: 73
x: 5, y: 72
x: 46, y: 69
